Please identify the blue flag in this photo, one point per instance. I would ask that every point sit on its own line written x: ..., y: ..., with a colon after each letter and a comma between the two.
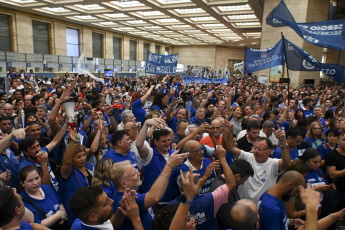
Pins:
x: 299, y: 60
x: 263, y: 59
x: 161, y: 64
x: 329, y: 34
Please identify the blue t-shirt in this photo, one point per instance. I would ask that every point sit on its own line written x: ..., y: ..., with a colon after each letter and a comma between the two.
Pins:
x: 109, y: 190
x: 10, y: 162
x: 313, y: 142
x: 206, y: 162
x: 172, y: 124
x: 315, y: 178
x: 193, y: 120
x: 25, y: 226
x: 49, y: 205
x: 272, y: 213
x: 293, y: 153
x: 25, y: 161
x: 138, y: 111
x: 146, y: 215
x: 117, y: 157
x: 284, y: 126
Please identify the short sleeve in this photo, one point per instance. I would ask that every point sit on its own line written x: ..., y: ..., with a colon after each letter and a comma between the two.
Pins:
x: 149, y: 157
x: 246, y: 155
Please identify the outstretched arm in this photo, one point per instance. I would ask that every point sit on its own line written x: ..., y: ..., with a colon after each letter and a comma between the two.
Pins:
x: 6, y: 142
x: 57, y: 137
x: 155, y: 194
x: 231, y: 146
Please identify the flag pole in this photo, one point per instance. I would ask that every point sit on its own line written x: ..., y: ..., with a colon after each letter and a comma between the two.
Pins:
x: 287, y: 69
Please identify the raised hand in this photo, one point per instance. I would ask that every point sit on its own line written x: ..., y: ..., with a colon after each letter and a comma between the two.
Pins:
x: 42, y: 157
x: 177, y: 159
x: 190, y: 189
x: 156, y: 122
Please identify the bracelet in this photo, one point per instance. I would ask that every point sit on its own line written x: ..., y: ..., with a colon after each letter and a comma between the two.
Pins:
x: 164, y: 175
x: 169, y: 166
x: 332, y: 216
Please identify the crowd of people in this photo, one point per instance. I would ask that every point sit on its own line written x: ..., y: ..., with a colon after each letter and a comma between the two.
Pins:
x: 156, y: 153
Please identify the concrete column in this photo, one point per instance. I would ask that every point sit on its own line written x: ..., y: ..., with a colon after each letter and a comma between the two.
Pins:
x: 23, y: 32
x: 59, y: 39
x: 140, y: 50
x: 86, y: 42
x: 108, y: 46
x: 125, y: 49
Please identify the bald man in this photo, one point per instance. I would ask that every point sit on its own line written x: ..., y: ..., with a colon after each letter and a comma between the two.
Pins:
x: 271, y: 204
x: 216, y: 126
x: 244, y: 215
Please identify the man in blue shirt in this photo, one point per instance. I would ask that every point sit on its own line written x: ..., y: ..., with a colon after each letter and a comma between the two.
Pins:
x: 94, y: 209
x: 199, y: 116
x: 294, y: 138
x: 271, y: 204
x: 126, y: 177
x: 121, y: 150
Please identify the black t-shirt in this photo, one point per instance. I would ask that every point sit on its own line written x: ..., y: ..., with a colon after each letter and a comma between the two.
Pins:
x: 334, y: 158
x: 244, y: 144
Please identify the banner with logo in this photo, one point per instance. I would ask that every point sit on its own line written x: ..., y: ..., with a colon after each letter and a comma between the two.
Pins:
x: 257, y: 59
x: 161, y: 64
x: 330, y: 34
x: 198, y: 80
x: 239, y: 66
x: 299, y: 60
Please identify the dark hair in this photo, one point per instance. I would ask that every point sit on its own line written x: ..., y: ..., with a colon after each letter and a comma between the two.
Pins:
x: 4, y: 118
x: 253, y: 125
x: 158, y: 133
x: 309, y: 153
x: 8, y: 203
x: 163, y: 220
x: 23, y: 173
x: 158, y: 100
x: 96, y: 103
x: 179, y: 123
x: 306, y: 101
x: 294, y: 132
x: 296, y: 112
x: 268, y: 141
x: 117, y: 136
x: 242, y: 167
x: 27, y: 142
x: 329, y: 114
x: 84, y: 201
x: 90, y: 138
x: 333, y: 131
x: 35, y: 98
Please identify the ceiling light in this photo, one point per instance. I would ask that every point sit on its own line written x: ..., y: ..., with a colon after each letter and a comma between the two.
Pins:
x: 164, y: 2
x: 56, y: 9
x: 121, y: 15
x: 181, y: 26
x: 241, y: 16
x: 127, y: 4
x: 90, y: 7
x: 199, y: 19
x: 247, y: 24
x: 150, y: 13
x: 85, y: 17
x: 212, y: 25
x: 190, y: 11
x: 136, y: 22
x: 167, y: 20
x: 234, y: 8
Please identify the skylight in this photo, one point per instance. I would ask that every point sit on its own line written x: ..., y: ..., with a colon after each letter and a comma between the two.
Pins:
x: 90, y: 7
x: 56, y: 9
x: 190, y: 11
x: 196, y: 19
x: 127, y: 4
x: 150, y: 13
x: 234, y: 8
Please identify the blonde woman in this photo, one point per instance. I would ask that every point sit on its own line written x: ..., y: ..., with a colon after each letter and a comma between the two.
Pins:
x: 102, y: 173
x: 314, y: 136
x: 236, y: 115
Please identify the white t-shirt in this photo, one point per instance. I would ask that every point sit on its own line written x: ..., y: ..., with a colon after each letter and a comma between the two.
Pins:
x: 265, y: 176
x: 134, y: 149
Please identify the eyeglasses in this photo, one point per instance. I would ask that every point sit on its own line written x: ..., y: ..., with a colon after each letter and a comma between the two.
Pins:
x: 317, y: 128
x: 259, y: 149
x: 201, y: 150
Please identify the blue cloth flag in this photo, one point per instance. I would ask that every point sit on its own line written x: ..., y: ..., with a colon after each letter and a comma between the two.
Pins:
x: 329, y: 34
x: 299, y: 60
x: 161, y: 64
x: 263, y: 59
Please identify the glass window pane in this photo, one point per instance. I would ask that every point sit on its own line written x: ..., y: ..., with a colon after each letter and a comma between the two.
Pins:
x: 72, y: 42
x: 132, y: 50
x: 97, y: 45
x: 41, y: 37
x: 166, y: 51
x: 117, y: 47
x: 5, y: 34
x: 157, y: 49
x: 146, y: 50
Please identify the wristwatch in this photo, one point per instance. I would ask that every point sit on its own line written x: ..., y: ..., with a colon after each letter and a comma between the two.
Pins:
x: 185, y: 200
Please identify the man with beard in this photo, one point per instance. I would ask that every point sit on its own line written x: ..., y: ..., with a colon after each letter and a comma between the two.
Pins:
x: 216, y: 126
x: 271, y: 204
x: 94, y: 210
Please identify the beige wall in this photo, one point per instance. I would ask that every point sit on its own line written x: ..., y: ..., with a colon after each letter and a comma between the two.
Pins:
x: 22, y: 39
x: 271, y: 35
x: 214, y: 56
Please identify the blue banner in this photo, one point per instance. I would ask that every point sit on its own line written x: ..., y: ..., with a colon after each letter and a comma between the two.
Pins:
x: 328, y: 34
x: 161, y: 64
x: 199, y: 80
x: 256, y: 59
x: 299, y: 60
